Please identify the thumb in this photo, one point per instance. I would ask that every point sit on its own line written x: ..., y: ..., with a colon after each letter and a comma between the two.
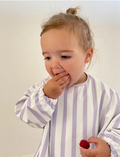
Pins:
x: 88, y: 152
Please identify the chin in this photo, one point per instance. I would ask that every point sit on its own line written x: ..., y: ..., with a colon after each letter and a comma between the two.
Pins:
x: 69, y: 85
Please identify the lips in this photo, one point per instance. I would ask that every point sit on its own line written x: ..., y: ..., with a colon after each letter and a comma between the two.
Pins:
x: 57, y: 71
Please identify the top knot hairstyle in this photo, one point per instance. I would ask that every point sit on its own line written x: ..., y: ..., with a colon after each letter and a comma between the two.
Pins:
x: 72, y: 11
x: 74, y: 24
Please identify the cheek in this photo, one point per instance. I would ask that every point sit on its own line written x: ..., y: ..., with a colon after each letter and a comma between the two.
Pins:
x: 47, y: 66
x: 48, y: 69
x: 75, y: 70
x: 72, y: 68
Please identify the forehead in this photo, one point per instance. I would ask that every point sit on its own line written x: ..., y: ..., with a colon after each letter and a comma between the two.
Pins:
x: 59, y: 33
x: 58, y: 37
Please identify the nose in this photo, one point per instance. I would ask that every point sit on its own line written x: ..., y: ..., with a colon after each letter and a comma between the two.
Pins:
x: 55, y: 64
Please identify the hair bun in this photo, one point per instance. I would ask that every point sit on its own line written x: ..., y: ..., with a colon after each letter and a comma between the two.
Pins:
x: 72, y: 10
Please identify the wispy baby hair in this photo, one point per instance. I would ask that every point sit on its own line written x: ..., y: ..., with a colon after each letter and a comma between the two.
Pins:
x: 73, y: 23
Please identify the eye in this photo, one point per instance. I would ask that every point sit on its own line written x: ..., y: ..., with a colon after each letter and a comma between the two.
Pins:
x: 65, y: 57
x: 47, y: 58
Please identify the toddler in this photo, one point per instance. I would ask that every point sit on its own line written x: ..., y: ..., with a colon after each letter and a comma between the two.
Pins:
x: 70, y: 105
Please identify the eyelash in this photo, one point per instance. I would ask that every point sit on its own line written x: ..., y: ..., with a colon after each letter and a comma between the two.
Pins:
x: 66, y: 57
x: 47, y: 58
x: 63, y: 57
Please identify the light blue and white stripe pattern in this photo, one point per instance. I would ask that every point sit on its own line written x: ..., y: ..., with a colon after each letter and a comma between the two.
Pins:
x: 83, y: 110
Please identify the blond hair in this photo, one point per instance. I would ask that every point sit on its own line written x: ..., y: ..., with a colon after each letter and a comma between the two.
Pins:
x: 74, y: 23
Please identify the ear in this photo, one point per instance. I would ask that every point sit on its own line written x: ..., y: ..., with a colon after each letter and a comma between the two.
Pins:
x: 89, y: 55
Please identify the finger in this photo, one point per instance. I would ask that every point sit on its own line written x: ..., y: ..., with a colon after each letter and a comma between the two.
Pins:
x: 59, y: 76
x: 84, y: 152
x: 83, y: 155
x: 88, y: 152
x: 63, y: 80
x: 95, y: 140
x: 65, y: 83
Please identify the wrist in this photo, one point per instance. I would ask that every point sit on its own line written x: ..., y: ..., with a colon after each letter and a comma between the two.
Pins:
x: 45, y: 93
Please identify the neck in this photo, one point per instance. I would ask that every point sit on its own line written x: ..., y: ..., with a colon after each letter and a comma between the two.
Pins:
x: 82, y: 79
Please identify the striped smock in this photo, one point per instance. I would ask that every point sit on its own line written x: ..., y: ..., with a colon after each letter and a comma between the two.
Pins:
x: 81, y: 111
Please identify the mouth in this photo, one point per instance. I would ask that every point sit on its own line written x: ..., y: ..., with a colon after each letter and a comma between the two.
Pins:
x: 59, y: 73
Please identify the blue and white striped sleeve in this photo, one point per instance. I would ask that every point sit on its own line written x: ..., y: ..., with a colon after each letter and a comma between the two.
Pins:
x: 110, y: 124
x: 34, y: 108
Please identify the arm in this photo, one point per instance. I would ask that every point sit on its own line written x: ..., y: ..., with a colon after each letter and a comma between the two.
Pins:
x: 111, y: 120
x: 112, y: 133
x: 34, y: 108
x: 108, y: 140
x: 38, y: 103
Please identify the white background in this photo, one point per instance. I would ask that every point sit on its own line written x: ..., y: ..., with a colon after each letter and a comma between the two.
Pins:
x: 22, y: 65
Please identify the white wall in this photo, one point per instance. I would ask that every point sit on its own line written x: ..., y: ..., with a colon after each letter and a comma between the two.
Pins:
x: 22, y: 65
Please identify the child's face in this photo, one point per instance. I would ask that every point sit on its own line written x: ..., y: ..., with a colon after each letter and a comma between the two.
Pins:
x: 62, y: 52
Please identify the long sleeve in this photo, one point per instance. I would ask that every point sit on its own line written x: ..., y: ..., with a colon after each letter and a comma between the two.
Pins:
x: 81, y: 111
x: 110, y: 122
x: 34, y: 108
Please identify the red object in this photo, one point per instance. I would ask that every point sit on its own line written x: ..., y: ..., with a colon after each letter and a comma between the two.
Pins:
x: 84, y: 144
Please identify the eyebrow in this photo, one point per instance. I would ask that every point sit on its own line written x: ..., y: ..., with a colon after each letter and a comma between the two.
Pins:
x: 59, y: 51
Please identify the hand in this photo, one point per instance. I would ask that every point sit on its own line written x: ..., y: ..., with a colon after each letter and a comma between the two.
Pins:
x: 54, y: 87
x: 102, y: 148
